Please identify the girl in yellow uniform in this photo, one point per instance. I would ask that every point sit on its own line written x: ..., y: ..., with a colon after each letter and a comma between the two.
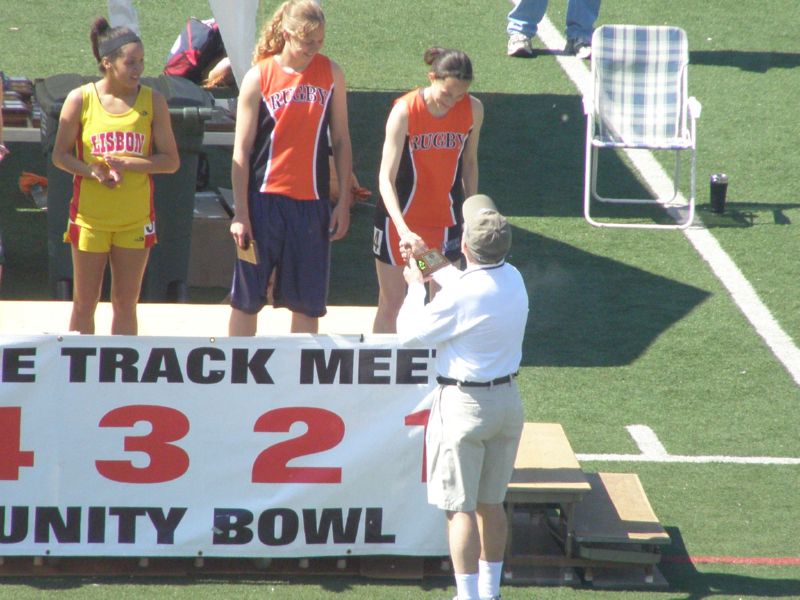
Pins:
x: 112, y: 136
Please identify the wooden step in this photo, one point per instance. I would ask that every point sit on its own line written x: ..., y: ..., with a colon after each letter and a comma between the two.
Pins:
x: 547, y: 476
x: 545, y: 464
x: 615, y: 521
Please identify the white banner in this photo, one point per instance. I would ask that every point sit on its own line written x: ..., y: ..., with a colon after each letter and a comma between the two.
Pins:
x: 284, y: 446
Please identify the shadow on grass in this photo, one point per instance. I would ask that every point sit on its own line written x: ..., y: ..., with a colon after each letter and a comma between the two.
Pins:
x: 746, y: 60
x: 542, y: 52
x: 531, y: 153
x: 532, y: 160
x: 587, y: 310
x: 685, y: 577
x: 747, y: 214
x: 591, y: 311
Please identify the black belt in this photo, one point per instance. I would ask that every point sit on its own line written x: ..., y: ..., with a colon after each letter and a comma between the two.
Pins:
x: 485, y: 384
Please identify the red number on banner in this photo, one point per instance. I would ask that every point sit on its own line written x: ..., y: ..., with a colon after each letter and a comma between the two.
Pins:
x: 11, y: 456
x: 325, y: 431
x: 421, y: 418
x: 167, y: 461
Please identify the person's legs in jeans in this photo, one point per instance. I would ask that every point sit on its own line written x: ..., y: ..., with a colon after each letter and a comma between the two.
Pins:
x: 523, y: 21
x: 525, y: 16
x: 581, y: 15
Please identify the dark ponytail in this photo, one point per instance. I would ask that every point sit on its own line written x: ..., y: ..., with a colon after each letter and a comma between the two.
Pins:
x: 100, y: 27
x: 107, y: 41
x: 446, y: 62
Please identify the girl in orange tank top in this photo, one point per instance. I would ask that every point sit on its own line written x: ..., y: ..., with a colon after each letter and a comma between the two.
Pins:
x: 429, y: 165
x: 288, y: 104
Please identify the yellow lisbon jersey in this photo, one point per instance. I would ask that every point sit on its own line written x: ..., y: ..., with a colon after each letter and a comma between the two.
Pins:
x: 130, y: 203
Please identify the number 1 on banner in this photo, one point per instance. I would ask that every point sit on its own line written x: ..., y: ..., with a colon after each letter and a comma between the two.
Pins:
x: 421, y: 419
x: 12, y: 457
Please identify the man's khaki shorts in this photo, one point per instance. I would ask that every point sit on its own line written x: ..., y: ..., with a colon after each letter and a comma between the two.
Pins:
x: 472, y: 439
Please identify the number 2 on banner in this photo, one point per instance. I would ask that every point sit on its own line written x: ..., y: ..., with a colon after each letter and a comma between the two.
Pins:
x: 167, y: 461
x: 12, y: 457
x: 325, y: 431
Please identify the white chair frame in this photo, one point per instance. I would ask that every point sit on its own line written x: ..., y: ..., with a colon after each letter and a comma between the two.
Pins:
x: 601, y: 133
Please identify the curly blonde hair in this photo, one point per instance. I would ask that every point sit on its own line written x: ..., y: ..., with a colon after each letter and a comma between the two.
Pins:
x: 296, y: 17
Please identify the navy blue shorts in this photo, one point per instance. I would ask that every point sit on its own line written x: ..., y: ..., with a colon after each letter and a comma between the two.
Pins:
x: 386, y: 241
x: 292, y: 239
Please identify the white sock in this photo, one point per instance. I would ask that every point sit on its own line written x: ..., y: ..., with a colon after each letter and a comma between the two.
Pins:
x: 467, y: 586
x: 489, y: 575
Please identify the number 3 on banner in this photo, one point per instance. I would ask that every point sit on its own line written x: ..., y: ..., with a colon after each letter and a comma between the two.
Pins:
x: 325, y: 431
x: 167, y: 461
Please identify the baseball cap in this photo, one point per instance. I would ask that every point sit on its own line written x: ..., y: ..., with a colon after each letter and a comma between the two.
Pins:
x: 487, y: 233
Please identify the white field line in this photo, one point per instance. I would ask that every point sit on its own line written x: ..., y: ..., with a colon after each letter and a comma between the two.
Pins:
x: 743, y: 294
x: 653, y: 451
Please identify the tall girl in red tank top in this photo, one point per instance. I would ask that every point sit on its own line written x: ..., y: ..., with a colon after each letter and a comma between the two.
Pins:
x: 289, y: 102
x: 429, y: 165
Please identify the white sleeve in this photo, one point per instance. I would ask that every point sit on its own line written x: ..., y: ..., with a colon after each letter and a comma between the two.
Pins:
x: 446, y: 275
x: 429, y: 323
x: 413, y: 305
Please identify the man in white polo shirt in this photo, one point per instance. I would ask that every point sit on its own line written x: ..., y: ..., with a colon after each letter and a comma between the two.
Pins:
x: 476, y: 323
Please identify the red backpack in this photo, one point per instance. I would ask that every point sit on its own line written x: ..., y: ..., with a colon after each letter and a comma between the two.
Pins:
x: 197, y: 48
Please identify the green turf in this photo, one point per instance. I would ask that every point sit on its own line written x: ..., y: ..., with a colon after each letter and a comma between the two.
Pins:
x: 627, y: 327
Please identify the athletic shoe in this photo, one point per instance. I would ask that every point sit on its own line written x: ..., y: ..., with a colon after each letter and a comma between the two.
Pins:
x: 519, y: 45
x: 579, y: 48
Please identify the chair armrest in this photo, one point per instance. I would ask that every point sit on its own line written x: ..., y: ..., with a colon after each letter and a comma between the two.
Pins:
x: 695, y: 108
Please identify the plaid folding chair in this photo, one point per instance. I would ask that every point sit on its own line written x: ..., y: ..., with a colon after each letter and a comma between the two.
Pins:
x: 639, y: 101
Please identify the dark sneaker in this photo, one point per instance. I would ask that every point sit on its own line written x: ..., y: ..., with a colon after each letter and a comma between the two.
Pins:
x: 580, y: 48
x: 519, y: 45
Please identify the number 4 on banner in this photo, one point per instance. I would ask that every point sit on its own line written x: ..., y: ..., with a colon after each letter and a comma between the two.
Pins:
x: 11, y: 456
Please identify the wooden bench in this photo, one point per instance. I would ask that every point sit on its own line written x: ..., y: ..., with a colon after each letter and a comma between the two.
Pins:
x: 615, y: 524
x: 546, y: 466
x: 546, y: 474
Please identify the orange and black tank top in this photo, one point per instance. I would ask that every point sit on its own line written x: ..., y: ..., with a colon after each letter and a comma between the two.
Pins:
x: 130, y: 204
x: 428, y: 181
x: 291, y: 149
